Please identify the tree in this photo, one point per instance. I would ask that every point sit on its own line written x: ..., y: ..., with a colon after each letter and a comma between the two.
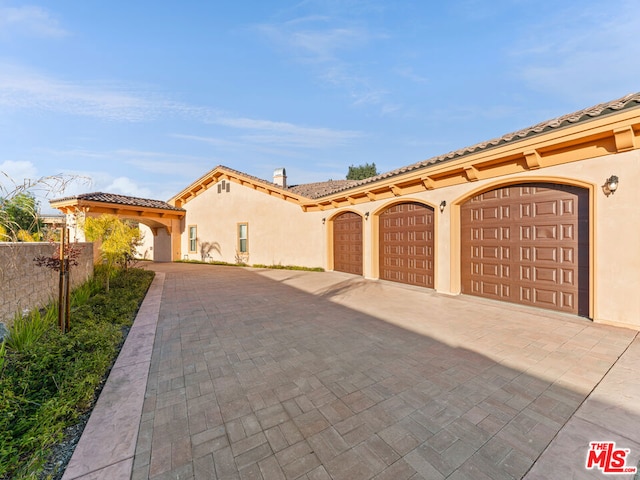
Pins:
x: 19, y: 209
x: 118, y: 240
x: 19, y: 217
x: 361, y: 172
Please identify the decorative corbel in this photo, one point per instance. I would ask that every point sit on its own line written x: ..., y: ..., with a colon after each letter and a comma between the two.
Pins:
x: 533, y: 159
x: 428, y: 183
x: 471, y: 172
x: 625, y: 139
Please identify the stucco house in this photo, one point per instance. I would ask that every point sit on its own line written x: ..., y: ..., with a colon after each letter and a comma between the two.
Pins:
x: 545, y: 216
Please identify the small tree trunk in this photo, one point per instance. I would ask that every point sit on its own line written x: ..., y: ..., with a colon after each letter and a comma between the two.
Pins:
x: 61, y: 290
x: 67, y: 308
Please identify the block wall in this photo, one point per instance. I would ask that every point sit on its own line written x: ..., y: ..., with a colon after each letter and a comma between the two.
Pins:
x: 24, y: 285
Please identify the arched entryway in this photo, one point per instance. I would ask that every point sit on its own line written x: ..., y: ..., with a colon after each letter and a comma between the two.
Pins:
x: 528, y: 244
x: 406, y: 244
x: 347, y: 243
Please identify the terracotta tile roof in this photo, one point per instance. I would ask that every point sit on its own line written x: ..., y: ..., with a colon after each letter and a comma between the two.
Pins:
x: 330, y: 187
x: 308, y: 190
x: 120, y: 200
x: 629, y: 101
x: 246, y: 175
x: 320, y: 189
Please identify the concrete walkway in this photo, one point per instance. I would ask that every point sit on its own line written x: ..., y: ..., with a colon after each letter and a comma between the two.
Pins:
x: 272, y: 374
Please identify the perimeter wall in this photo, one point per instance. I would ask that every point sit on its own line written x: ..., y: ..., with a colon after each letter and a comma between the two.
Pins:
x: 24, y: 285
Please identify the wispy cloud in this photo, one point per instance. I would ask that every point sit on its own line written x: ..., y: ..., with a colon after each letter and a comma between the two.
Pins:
x: 15, y: 173
x: 156, y: 162
x: 584, y: 55
x: 409, y: 73
x: 326, y: 43
x: 313, y: 39
x: 288, y: 134
x: 218, y: 142
x: 21, y: 88
x: 30, y: 20
x: 126, y: 186
x: 24, y: 175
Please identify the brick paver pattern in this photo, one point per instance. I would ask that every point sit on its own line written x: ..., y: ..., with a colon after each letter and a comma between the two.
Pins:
x: 251, y: 378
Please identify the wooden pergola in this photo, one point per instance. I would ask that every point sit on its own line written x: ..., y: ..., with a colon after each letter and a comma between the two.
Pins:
x: 161, y: 217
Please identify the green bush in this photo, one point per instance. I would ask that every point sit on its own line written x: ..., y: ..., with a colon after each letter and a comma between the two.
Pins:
x: 27, y: 330
x: 47, y: 383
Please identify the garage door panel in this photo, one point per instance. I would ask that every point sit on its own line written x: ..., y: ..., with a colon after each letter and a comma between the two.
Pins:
x: 547, y: 298
x: 550, y: 235
x: 548, y: 208
x: 491, y: 270
x: 491, y: 213
x: 548, y: 274
x: 568, y: 232
x: 545, y: 254
x: 567, y: 256
x: 406, y: 244
x: 490, y: 233
x: 491, y: 252
x: 545, y: 232
x: 567, y: 277
x: 489, y: 288
x: 568, y: 300
x: 347, y: 243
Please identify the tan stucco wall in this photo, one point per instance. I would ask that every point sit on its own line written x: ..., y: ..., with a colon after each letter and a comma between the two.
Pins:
x: 615, y: 259
x: 145, y: 249
x: 280, y: 233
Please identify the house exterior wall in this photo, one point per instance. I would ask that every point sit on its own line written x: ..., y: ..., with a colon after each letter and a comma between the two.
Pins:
x: 145, y: 250
x: 279, y: 232
x: 614, y: 224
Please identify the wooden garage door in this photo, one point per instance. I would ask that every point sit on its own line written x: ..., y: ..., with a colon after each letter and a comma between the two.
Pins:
x: 528, y: 244
x: 347, y: 243
x: 406, y: 244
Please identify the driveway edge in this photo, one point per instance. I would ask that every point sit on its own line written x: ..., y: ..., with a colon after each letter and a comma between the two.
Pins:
x: 108, y: 443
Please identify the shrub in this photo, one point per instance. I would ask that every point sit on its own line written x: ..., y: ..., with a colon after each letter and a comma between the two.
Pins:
x: 46, y: 384
x: 27, y: 330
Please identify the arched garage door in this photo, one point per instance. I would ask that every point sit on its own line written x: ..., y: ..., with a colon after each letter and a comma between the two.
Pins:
x: 347, y: 243
x: 406, y: 244
x: 528, y: 244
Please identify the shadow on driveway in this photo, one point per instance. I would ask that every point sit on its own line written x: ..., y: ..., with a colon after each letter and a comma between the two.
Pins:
x: 265, y: 374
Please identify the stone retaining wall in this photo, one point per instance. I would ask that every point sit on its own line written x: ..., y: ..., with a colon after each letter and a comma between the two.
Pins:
x: 24, y: 285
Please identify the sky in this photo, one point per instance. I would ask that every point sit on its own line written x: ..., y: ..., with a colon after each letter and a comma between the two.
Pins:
x: 144, y: 97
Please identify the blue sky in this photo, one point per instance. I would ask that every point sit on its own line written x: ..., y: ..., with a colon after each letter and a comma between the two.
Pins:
x: 143, y: 97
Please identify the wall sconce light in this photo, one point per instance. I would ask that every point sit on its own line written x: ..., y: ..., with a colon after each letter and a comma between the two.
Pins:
x: 610, y: 185
x: 443, y: 204
x: 366, y: 216
x: 324, y: 220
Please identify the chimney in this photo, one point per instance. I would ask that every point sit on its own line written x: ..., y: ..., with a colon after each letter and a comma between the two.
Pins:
x: 280, y: 177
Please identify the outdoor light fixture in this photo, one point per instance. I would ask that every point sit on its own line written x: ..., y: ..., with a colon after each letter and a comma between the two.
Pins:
x: 324, y: 220
x: 366, y: 216
x: 610, y: 185
x: 443, y: 204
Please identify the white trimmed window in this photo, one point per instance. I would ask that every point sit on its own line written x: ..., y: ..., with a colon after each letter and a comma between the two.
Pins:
x: 243, y: 238
x: 193, y: 239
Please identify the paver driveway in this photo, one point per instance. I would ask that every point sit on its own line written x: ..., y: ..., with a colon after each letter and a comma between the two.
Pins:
x: 267, y: 374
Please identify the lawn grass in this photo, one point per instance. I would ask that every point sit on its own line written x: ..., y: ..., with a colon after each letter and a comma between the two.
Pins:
x: 256, y: 265
x: 48, y: 379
